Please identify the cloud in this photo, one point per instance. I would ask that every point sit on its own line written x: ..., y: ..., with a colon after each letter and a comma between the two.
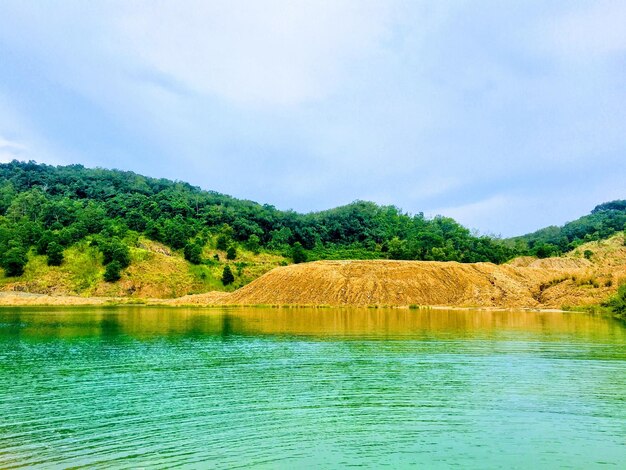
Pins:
x: 275, y: 51
x: 592, y: 31
x: 451, y: 105
x: 10, y: 150
x: 470, y: 214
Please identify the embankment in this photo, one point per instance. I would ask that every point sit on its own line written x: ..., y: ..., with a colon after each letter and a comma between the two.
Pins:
x: 571, y: 280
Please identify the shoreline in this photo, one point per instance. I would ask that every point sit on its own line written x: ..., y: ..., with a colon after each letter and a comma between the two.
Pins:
x: 23, y: 299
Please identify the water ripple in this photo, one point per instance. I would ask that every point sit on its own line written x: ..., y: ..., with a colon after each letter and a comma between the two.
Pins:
x: 129, y: 388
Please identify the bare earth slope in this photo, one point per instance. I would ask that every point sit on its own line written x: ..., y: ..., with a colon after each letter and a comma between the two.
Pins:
x: 570, y: 280
x: 525, y: 282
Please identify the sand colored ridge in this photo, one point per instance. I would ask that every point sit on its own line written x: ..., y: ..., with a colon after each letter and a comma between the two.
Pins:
x: 525, y: 282
x: 571, y: 280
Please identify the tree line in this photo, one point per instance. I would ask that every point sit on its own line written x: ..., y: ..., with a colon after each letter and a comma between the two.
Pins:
x: 49, y: 208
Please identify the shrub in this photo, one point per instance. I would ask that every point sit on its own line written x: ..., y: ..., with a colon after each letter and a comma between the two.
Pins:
x: 193, y: 253
x: 254, y: 244
x: 297, y: 253
x: 113, y: 272
x: 14, y: 261
x: 231, y: 253
x: 42, y: 245
x: 222, y: 242
x: 588, y: 254
x: 55, y: 254
x: 115, y: 250
x: 227, y: 276
x: 617, y: 304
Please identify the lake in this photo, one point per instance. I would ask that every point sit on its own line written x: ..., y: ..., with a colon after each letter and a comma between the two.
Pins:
x: 152, y: 387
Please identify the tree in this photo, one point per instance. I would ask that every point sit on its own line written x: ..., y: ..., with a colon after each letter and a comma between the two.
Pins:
x: 231, y: 253
x: 397, y: 248
x: 254, y: 243
x: 115, y: 250
x: 227, y: 276
x: 55, y: 254
x: 193, y: 253
x: 14, y: 261
x: 297, y: 253
x: 545, y: 250
x: 113, y: 272
x: 222, y: 242
x: 175, y: 232
x: 42, y: 245
x: 618, y: 303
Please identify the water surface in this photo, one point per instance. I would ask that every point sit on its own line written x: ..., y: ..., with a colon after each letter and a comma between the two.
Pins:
x: 325, y: 388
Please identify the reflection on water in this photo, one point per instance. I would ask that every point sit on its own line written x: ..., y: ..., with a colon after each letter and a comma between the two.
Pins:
x: 142, y: 322
x: 287, y: 388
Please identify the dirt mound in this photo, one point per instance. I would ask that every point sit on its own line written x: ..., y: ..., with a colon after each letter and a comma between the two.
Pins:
x: 364, y: 283
x: 550, y: 263
x: 526, y: 282
x: 384, y: 283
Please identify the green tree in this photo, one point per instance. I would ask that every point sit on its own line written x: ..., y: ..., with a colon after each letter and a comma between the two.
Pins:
x: 231, y: 253
x: 397, y: 248
x: 254, y: 244
x: 227, y: 276
x: 175, y: 232
x: 55, y: 254
x: 113, y: 272
x: 193, y: 253
x: 617, y: 303
x: 115, y: 250
x: 545, y: 250
x: 222, y: 242
x: 14, y: 261
x: 46, y: 238
x: 297, y: 253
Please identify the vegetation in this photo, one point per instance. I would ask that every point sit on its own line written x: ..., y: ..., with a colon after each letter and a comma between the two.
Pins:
x: 617, y: 304
x: 604, y: 221
x: 41, y: 204
x: 55, y: 254
x: 231, y: 253
x: 14, y: 260
x: 113, y: 272
x: 83, y: 220
x: 298, y: 254
x: 227, y: 276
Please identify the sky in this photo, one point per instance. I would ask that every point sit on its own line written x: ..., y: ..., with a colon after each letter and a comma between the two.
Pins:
x: 507, y: 116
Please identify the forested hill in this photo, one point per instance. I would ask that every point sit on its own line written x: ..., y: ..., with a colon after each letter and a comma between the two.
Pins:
x: 603, y: 221
x: 49, y: 208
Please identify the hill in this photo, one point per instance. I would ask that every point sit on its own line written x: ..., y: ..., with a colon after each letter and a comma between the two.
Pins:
x: 70, y: 230
x: 526, y: 282
x: 604, y: 221
x: 53, y: 215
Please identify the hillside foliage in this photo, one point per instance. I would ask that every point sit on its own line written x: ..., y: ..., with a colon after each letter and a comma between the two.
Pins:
x: 604, y: 221
x: 50, y: 208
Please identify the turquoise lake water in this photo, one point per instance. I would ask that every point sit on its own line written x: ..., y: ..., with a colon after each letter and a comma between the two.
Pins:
x: 297, y: 388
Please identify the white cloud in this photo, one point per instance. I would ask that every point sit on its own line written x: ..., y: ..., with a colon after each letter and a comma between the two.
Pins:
x: 474, y: 213
x: 20, y: 141
x: 10, y: 150
x: 314, y: 103
x: 278, y: 52
x: 590, y: 32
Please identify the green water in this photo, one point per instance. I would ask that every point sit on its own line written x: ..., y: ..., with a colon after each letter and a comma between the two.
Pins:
x: 274, y: 388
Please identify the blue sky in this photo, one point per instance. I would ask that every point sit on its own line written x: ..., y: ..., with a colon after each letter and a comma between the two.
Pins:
x: 508, y: 116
